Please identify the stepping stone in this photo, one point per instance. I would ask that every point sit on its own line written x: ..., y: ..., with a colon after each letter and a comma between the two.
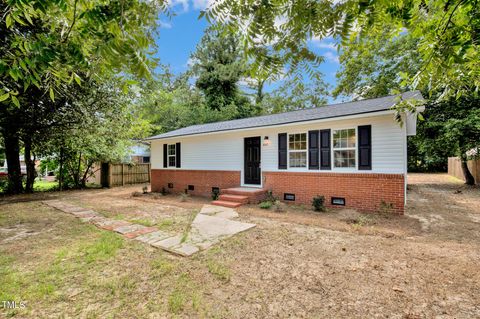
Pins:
x: 74, y: 209
x: 85, y: 213
x: 110, y: 224
x: 139, y: 232
x: 218, y: 211
x: 185, y: 249
x: 129, y: 228
x: 153, y: 237
x: 168, y: 243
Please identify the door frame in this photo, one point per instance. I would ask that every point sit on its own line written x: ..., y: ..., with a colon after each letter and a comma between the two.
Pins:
x: 244, y: 170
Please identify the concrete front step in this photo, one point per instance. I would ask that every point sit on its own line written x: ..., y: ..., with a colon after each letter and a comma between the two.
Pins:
x: 226, y: 203
x: 234, y: 198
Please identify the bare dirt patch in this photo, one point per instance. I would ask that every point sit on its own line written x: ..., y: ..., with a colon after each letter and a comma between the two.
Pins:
x: 294, y: 264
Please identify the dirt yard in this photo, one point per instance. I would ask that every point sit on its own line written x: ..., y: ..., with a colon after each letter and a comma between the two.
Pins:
x: 294, y: 264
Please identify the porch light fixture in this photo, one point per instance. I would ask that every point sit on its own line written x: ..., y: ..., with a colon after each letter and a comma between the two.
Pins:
x: 266, y: 141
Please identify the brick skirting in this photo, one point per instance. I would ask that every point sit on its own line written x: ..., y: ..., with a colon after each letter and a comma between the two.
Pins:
x: 202, y: 180
x: 362, y: 191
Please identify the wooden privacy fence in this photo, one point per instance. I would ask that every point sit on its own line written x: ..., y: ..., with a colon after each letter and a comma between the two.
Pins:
x: 124, y: 174
x: 455, y: 168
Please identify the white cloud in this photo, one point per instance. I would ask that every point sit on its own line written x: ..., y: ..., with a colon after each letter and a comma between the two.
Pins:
x: 202, y: 4
x: 164, y: 24
x: 183, y: 3
x: 331, y: 56
x: 326, y: 45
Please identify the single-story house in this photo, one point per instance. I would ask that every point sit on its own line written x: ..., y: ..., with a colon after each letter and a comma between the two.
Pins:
x: 354, y: 154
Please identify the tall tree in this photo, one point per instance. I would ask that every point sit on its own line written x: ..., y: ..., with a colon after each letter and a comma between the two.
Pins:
x: 45, y: 45
x: 218, y: 65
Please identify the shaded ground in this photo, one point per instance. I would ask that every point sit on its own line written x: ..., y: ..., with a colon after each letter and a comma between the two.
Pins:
x: 293, y: 264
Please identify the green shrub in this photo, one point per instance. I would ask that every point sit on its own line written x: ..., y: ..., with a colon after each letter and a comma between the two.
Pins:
x: 318, y: 203
x: 215, y: 193
x: 265, y: 205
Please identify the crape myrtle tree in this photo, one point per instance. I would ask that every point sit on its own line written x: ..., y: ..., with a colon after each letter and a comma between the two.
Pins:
x: 47, y: 45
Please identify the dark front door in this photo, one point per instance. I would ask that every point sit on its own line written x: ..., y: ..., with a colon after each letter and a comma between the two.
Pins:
x: 252, y: 160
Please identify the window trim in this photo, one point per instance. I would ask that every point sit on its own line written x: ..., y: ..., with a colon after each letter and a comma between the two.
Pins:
x: 297, y: 151
x: 333, y: 149
x: 174, y: 155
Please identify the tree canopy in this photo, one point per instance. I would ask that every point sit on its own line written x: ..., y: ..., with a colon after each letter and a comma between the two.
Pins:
x: 448, y: 34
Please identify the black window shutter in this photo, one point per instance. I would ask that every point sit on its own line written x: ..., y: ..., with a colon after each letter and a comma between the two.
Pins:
x: 282, y: 151
x: 365, y: 147
x: 165, y: 150
x: 325, y: 157
x: 177, y: 153
x: 313, y: 152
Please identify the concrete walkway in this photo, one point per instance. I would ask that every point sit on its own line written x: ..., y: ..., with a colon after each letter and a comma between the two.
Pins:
x: 210, y: 226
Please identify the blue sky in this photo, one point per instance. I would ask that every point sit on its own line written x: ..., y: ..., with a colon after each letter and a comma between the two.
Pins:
x: 180, y: 34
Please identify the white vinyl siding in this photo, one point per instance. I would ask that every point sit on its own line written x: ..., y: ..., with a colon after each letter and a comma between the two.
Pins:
x: 224, y: 150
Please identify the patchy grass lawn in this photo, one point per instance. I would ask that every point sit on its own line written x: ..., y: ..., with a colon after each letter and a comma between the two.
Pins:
x: 293, y: 264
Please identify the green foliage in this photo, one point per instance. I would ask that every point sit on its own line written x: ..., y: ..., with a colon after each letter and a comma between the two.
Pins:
x: 219, y: 270
x: 51, y: 43
x: 294, y: 94
x: 265, y: 205
x: 447, y: 33
x: 318, y: 203
x: 370, y: 66
x: 218, y: 66
x: 215, y: 194
x: 50, y: 49
x: 172, y: 104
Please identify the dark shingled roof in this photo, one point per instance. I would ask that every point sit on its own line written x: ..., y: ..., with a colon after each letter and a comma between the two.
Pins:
x: 322, y: 112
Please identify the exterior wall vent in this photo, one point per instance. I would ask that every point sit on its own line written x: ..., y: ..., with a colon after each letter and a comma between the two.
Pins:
x: 191, y: 187
x: 289, y: 197
x: 170, y: 185
x: 339, y: 201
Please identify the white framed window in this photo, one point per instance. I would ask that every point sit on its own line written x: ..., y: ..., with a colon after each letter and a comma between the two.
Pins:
x: 344, y: 148
x: 297, y: 150
x: 171, y: 154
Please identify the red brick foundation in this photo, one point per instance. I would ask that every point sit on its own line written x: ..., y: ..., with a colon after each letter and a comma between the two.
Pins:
x: 362, y: 191
x: 202, y: 180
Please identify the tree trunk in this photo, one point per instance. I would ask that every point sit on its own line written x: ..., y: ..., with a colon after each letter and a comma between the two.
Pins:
x: 12, y: 154
x: 60, y: 171
x: 259, y: 95
x: 31, y: 173
x: 469, y: 179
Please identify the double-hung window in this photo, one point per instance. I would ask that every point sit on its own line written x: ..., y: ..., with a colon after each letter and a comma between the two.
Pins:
x: 297, y: 150
x: 344, y: 148
x: 171, y: 155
